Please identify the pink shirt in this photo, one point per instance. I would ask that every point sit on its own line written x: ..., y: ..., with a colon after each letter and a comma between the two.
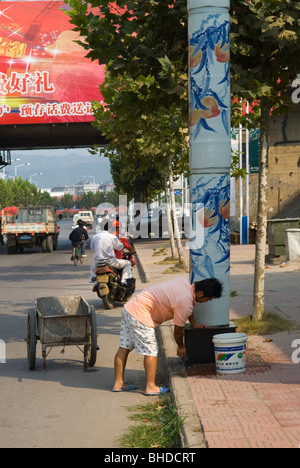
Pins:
x: 174, y: 299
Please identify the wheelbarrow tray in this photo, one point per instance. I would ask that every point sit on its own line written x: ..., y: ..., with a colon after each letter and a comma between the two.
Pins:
x: 63, y: 320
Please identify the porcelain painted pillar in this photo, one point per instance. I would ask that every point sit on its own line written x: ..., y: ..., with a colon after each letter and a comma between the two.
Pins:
x: 210, y: 151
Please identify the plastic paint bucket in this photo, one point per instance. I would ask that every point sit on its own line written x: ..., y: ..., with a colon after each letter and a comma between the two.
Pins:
x: 230, y: 352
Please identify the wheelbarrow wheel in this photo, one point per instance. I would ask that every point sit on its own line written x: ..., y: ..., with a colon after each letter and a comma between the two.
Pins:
x: 31, y: 339
x: 91, y: 350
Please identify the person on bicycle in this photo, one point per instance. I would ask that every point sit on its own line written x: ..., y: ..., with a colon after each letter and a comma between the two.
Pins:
x: 79, y: 236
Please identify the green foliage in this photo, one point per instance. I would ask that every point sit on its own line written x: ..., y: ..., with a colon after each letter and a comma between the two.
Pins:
x: 145, y: 49
x: 269, y: 324
x: 265, y: 46
x: 88, y: 200
x: 131, y: 37
x: 67, y: 201
x: 235, y: 170
x: 265, y: 58
x: 19, y: 192
x: 158, y: 426
x: 145, y: 118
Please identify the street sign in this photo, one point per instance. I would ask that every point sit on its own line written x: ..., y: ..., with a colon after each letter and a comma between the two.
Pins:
x: 254, y: 150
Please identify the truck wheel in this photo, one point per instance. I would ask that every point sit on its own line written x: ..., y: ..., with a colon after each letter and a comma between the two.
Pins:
x: 12, y: 249
x: 49, y: 244
x: 55, y: 243
x: 44, y: 244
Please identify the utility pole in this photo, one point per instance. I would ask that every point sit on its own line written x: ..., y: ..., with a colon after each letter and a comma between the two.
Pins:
x: 210, y: 151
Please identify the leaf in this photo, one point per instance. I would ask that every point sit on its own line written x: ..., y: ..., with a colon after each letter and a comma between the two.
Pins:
x: 205, y: 125
x: 225, y: 120
x: 223, y: 259
x: 209, y: 266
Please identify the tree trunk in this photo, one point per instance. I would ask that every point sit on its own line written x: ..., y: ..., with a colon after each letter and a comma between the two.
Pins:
x: 172, y: 240
x: 259, y: 275
x: 173, y: 211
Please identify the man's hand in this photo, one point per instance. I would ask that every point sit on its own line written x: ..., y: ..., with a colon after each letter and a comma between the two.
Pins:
x: 200, y: 325
x: 195, y: 324
x: 181, y: 352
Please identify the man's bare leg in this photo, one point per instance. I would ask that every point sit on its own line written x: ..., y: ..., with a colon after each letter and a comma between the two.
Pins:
x: 150, y: 364
x: 120, y: 364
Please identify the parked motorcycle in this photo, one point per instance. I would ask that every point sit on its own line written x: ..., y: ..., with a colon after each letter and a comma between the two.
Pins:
x: 108, y: 284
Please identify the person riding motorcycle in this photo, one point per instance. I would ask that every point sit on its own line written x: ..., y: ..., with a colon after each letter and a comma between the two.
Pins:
x: 127, y: 246
x: 79, y: 236
x: 104, y: 245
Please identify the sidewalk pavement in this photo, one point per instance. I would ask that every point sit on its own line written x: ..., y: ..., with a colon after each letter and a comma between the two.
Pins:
x: 256, y: 409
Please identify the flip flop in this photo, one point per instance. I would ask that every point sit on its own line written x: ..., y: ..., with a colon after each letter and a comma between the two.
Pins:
x: 163, y: 391
x: 127, y: 389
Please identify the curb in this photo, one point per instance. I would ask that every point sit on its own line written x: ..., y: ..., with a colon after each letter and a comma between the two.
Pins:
x: 144, y: 275
x: 192, y: 435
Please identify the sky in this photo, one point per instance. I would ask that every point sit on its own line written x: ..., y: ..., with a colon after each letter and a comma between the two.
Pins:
x: 59, y: 167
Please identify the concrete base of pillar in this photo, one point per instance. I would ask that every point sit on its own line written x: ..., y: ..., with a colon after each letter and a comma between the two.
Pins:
x: 199, y: 345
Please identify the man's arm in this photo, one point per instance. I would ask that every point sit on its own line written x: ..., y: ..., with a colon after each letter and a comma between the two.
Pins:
x: 117, y: 245
x: 178, y: 336
x: 127, y: 245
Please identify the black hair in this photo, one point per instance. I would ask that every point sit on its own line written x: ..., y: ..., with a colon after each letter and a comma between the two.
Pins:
x: 211, y: 287
x: 106, y: 225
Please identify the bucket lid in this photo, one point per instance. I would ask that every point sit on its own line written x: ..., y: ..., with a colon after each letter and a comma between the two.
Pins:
x: 230, y: 338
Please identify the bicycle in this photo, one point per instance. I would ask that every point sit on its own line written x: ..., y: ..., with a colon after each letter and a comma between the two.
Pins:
x: 76, y: 255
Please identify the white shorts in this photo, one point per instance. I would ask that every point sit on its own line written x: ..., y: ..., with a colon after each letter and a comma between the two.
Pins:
x: 136, y: 335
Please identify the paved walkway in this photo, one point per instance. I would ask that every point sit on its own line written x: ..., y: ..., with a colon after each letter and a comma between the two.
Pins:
x: 256, y: 409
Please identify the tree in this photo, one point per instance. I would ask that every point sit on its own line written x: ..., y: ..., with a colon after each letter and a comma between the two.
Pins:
x: 152, y: 146
x: 67, y: 201
x: 21, y: 192
x: 144, y: 47
x: 265, y: 58
x: 123, y: 126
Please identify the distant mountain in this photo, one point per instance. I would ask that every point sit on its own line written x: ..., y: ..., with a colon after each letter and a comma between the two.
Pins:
x: 59, y: 167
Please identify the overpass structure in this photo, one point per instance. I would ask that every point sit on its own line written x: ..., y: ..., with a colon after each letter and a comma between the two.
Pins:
x: 47, y: 136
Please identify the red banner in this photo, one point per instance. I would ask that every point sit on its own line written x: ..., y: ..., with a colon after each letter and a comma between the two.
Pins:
x: 44, y: 75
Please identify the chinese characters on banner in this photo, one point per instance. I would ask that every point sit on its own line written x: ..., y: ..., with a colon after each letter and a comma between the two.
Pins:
x: 44, y: 75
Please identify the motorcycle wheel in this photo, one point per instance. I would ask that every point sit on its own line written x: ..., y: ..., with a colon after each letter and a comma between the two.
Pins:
x: 108, y: 301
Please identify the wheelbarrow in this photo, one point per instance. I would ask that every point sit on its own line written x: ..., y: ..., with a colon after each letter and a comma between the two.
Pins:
x: 62, y: 321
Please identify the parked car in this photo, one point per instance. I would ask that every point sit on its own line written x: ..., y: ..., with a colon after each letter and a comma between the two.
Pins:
x: 86, y: 216
x: 155, y: 224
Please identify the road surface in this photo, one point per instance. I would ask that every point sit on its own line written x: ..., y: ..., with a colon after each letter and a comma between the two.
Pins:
x: 62, y: 406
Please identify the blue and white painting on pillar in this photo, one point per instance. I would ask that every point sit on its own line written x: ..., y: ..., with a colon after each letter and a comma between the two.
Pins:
x: 209, y: 55
x: 209, y: 60
x: 210, y: 249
